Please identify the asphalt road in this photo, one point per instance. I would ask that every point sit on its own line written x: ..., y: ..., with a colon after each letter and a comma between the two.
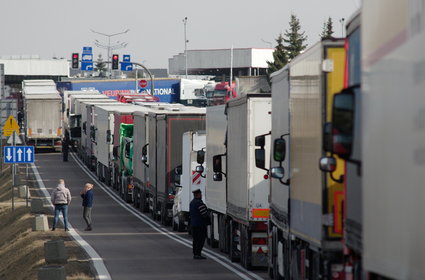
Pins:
x: 131, y: 244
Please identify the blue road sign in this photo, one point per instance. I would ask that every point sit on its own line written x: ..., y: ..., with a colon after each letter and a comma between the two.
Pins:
x: 18, y: 154
x: 87, y: 50
x: 87, y: 66
x: 126, y: 65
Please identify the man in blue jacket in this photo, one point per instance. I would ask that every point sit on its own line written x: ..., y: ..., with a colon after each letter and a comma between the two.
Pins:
x: 199, y: 221
x: 87, y: 196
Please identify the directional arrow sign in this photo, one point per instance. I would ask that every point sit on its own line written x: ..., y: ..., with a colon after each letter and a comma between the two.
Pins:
x: 29, y: 154
x: 8, y: 153
x: 18, y: 154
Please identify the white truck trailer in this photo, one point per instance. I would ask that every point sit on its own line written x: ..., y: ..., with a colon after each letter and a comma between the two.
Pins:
x: 86, y: 106
x: 190, y: 180
x: 248, y: 116
x: 43, y: 118
x: 102, y: 142
x: 215, y: 192
x: 392, y: 130
x: 72, y: 115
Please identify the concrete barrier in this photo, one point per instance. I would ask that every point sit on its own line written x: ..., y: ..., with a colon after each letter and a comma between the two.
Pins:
x: 52, y: 272
x: 37, y: 206
x: 23, y: 191
x: 40, y: 223
x: 55, y: 252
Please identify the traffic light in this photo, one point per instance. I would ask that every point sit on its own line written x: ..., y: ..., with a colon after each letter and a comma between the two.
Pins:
x: 115, y: 62
x: 75, y: 61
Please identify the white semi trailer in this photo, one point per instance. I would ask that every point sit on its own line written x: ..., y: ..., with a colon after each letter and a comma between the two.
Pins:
x: 247, y: 189
x: 43, y: 118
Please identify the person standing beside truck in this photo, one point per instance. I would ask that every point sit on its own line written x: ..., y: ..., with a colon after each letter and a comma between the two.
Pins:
x: 87, y: 196
x: 199, y: 221
x: 61, y: 198
x: 65, y: 148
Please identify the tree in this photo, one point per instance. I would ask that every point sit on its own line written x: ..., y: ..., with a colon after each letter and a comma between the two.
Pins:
x: 294, y: 38
x: 279, y: 56
x: 327, y: 31
x: 100, y: 66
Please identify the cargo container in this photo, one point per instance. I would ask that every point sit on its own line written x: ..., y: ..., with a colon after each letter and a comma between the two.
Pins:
x: 247, y: 193
x: 42, y: 110
x: 164, y: 149
x: 215, y: 192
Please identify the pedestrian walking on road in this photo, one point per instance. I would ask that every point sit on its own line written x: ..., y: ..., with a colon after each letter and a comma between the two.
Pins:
x: 61, y: 198
x: 65, y: 148
x: 87, y: 196
x: 199, y: 221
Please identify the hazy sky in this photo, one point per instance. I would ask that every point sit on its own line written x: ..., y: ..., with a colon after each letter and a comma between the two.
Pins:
x: 58, y: 28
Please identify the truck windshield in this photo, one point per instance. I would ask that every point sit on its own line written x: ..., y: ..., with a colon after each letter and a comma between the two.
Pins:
x: 220, y: 93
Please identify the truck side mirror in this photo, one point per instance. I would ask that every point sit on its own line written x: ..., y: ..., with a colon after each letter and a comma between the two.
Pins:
x: 343, y: 123
x: 200, y: 157
x: 177, y: 176
x: 218, y: 177
x: 327, y: 137
x: 260, y: 158
x: 327, y: 164
x: 108, y: 136
x: 199, y: 169
x: 115, y: 151
x: 260, y: 141
x: 277, y: 172
x: 145, y: 154
x: 279, y: 149
x: 84, y: 127
x: 127, y: 149
x: 217, y: 164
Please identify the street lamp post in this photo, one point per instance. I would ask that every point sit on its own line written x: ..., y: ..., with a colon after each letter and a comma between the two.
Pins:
x: 108, y: 46
x: 185, y: 44
x: 342, y: 26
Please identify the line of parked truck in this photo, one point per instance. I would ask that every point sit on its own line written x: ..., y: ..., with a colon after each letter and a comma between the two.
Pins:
x: 321, y: 179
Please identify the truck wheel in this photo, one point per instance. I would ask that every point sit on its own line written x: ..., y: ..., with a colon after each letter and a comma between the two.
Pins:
x: 232, y: 244
x: 181, y: 226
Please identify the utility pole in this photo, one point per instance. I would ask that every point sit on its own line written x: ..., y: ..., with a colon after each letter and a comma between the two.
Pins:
x: 342, y: 26
x: 108, y: 46
x: 185, y: 43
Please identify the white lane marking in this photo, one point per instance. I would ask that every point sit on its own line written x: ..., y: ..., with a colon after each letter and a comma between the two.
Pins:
x: 102, y: 272
x: 240, y: 271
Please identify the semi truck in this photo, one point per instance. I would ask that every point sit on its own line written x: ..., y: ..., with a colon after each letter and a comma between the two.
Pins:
x: 42, y: 114
x: 221, y: 94
x: 83, y: 143
x: 353, y: 222
x: 104, y: 119
x: 389, y: 165
x: 189, y: 179
x: 247, y: 189
x: 189, y: 92
x: 164, y: 149
x: 72, y: 115
x: 306, y: 221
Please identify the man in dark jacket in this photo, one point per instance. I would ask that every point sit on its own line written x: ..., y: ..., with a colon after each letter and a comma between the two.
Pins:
x: 87, y: 196
x: 65, y: 148
x: 199, y: 221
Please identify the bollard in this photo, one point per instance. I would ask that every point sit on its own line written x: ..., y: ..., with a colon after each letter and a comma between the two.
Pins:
x: 23, y: 191
x: 52, y: 272
x: 55, y: 252
x: 37, y: 206
x: 40, y: 223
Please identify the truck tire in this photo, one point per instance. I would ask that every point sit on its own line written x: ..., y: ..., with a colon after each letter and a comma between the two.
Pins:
x: 181, y: 226
x: 232, y: 244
